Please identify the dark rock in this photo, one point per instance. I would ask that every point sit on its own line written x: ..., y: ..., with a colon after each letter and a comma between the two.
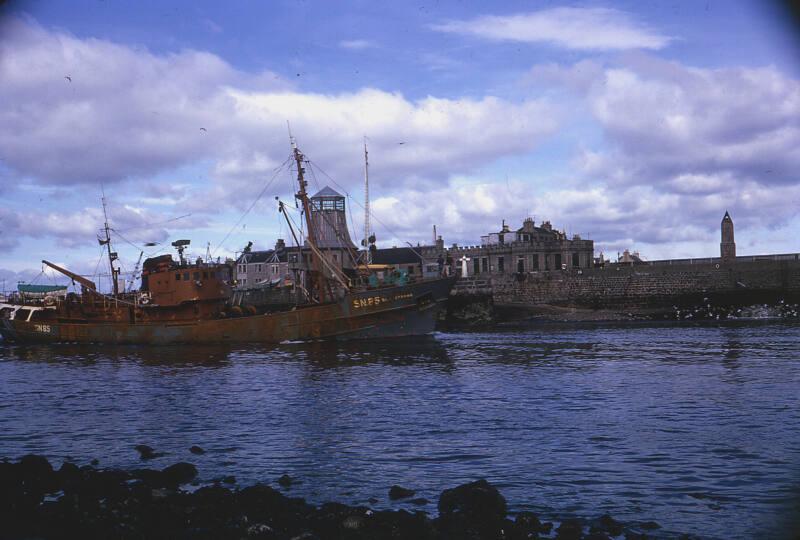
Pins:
x: 353, y: 522
x: 608, y: 524
x: 478, y: 498
x: 526, y: 525
x: 399, y: 524
x: 38, y: 474
x: 633, y: 535
x: 396, y: 492
x: 145, y: 452
x: 419, y: 501
x: 33, y: 466
x: 95, y: 462
x: 285, y: 481
x: 649, y: 525
x: 471, y: 511
x: 570, y: 529
x: 197, y: 450
x: 228, y: 479
x: 69, y: 476
x: 180, y: 473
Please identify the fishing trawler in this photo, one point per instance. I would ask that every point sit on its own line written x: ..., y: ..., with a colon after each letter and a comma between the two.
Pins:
x: 190, y: 302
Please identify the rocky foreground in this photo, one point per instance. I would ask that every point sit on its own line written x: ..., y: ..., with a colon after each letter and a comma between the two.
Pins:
x: 37, y: 501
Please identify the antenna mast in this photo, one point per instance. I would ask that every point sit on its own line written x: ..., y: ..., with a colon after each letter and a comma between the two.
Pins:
x: 366, y: 203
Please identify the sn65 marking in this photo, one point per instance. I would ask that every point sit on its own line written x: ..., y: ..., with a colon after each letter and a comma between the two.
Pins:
x: 359, y: 303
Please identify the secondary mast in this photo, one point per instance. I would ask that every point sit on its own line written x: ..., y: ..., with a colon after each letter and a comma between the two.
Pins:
x: 112, y: 256
x: 366, y: 204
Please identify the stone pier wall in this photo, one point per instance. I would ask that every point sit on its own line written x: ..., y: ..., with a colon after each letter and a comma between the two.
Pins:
x: 647, y: 286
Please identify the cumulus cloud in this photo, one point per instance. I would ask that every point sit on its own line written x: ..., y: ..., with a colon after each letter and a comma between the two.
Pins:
x: 130, y: 114
x: 691, y: 143
x: 568, y: 27
x: 86, y: 110
x: 131, y: 225
x: 673, y: 121
x: 356, y: 44
x: 438, y: 136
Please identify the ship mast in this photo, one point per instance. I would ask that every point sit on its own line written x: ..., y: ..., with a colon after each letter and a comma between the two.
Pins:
x: 317, y: 278
x: 112, y: 256
x: 366, y: 204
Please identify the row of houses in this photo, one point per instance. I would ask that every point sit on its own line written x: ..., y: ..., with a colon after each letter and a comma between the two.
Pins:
x: 530, y: 248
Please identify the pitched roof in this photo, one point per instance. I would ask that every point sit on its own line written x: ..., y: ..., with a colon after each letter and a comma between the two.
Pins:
x: 326, y: 192
x: 395, y: 256
x: 255, y: 257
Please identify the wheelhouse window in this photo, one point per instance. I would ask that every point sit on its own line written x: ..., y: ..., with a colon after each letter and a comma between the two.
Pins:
x: 177, y: 276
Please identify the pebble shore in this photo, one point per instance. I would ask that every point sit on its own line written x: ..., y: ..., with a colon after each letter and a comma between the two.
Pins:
x: 39, y: 501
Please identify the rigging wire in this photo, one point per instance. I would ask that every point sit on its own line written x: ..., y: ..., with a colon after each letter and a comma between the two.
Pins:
x: 99, y: 260
x: 258, y: 198
x: 156, y: 224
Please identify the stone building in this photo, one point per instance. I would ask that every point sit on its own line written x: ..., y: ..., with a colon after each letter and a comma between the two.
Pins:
x: 331, y: 236
x: 727, y: 247
x: 260, y: 267
x: 526, y: 249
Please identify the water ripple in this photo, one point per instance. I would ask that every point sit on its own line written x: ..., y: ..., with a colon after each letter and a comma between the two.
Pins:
x: 696, y: 427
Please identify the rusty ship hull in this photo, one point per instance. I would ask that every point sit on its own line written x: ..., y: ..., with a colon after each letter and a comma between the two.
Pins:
x: 404, y: 310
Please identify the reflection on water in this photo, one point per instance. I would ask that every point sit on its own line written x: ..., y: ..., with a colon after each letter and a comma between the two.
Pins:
x: 694, y: 426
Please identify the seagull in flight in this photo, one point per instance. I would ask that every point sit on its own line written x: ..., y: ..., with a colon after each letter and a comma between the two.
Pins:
x: 204, y: 129
x: 68, y: 78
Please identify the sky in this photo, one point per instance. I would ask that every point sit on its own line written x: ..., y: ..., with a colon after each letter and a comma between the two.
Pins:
x: 634, y: 124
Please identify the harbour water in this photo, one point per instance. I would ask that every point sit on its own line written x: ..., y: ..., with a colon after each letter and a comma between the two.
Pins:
x: 695, y: 427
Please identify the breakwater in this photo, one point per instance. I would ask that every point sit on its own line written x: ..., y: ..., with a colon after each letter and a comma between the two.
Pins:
x: 659, y: 291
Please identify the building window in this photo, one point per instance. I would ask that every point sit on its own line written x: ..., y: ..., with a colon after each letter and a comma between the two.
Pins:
x: 177, y: 277
x: 196, y: 276
x: 485, y: 264
x: 274, y: 268
x: 557, y: 264
x: 520, y: 265
x: 501, y: 266
x: 410, y: 270
x: 259, y: 269
x: 535, y: 261
x: 476, y: 265
x: 186, y: 276
x: 576, y: 260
